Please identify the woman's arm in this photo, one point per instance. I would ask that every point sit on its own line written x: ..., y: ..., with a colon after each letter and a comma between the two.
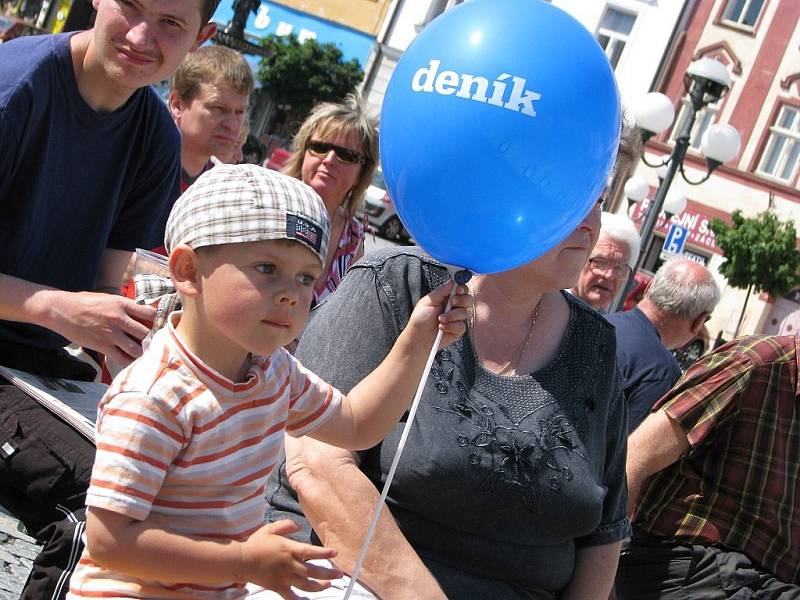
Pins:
x: 595, y: 568
x: 338, y: 500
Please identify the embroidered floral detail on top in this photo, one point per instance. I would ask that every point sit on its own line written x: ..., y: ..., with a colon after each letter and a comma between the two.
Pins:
x: 516, y: 455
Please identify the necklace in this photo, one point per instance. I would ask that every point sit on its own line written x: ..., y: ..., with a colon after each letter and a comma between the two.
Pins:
x: 523, y: 347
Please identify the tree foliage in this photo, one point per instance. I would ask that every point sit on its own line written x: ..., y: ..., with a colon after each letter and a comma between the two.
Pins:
x: 761, y: 252
x: 299, y: 75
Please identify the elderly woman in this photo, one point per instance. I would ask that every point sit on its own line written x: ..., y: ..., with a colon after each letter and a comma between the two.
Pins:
x: 336, y: 153
x: 512, y: 482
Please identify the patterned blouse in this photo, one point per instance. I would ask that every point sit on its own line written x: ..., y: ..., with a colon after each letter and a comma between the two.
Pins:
x: 351, y: 242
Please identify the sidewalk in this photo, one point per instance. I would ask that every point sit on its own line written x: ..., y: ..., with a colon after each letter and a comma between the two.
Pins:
x: 17, y: 552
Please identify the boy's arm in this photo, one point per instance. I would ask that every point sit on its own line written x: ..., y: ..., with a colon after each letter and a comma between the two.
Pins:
x: 104, y: 322
x: 374, y: 405
x: 338, y: 500
x: 148, y: 550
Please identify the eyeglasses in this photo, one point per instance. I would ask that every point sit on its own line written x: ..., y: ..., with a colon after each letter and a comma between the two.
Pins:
x: 345, y: 155
x: 603, y: 265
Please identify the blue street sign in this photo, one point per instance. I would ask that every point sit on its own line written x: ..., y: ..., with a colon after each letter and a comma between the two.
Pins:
x: 676, y: 238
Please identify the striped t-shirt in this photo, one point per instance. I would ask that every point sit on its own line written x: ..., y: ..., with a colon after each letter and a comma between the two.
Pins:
x: 178, y: 440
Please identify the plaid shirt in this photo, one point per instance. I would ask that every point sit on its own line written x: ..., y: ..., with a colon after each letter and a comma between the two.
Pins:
x: 738, y: 483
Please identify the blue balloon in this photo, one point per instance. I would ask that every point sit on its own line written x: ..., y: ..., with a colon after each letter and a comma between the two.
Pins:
x: 499, y: 129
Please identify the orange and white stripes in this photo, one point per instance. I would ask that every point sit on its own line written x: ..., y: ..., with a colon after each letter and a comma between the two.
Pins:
x: 177, y: 440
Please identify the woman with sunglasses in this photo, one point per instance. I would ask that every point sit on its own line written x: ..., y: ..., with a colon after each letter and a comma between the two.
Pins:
x: 336, y: 153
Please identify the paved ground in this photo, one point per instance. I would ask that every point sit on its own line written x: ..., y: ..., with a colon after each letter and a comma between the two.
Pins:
x: 17, y: 552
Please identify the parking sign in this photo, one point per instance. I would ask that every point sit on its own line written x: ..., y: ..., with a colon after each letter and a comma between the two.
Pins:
x: 676, y: 238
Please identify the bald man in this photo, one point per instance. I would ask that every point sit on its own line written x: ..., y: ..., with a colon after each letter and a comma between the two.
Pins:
x: 676, y: 304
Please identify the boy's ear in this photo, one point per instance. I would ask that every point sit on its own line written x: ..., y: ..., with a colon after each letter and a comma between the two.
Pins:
x: 206, y: 31
x: 183, y: 265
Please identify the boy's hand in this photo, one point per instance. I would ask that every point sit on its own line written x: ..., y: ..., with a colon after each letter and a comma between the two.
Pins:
x: 428, y: 317
x: 278, y: 563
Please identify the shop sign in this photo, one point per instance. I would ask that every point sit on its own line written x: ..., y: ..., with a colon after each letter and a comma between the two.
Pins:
x: 697, y: 223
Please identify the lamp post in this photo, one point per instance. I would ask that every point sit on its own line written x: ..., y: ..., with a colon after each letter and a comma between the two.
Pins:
x: 706, y: 81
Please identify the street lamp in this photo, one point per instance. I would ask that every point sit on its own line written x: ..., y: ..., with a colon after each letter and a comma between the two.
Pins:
x: 706, y: 81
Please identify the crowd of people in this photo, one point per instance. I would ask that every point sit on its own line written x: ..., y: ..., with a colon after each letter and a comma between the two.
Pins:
x: 558, y: 451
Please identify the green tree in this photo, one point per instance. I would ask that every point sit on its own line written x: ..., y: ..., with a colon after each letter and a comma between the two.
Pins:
x: 298, y: 75
x: 761, y: 253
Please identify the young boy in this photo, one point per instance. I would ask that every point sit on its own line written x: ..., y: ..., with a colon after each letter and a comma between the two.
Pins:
x: 187, y: 434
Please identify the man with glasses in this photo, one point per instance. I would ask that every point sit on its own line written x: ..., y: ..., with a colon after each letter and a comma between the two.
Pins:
x: 610, y: 264
x: 676, y: 304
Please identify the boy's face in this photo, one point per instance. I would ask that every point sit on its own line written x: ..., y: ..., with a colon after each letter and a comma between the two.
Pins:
x: 141, y: 42
x: 255, y: 296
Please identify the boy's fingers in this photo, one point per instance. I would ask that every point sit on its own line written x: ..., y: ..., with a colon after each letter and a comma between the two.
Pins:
x: 310, y: 585
x: 440, y: 294
x: 462, y: 299
x: 322, y: 572
x: 306, y: 552
x: 454, y: 315
x: 283, y: 527
x: 287, y: 593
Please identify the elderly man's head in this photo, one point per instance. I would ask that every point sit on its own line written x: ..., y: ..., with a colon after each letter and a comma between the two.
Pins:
x: 679, y: 299
x: 610, y: 262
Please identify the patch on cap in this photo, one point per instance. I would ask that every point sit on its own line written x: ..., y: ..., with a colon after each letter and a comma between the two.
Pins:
x: 304, y: 230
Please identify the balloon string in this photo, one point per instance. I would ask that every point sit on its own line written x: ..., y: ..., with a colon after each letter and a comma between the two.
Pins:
x: 460, y: 279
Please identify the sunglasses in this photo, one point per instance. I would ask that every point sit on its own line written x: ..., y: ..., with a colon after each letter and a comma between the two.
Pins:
x: 345, y: 155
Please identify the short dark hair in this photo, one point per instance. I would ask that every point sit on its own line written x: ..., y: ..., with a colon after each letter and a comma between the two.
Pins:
x: 209, y: 6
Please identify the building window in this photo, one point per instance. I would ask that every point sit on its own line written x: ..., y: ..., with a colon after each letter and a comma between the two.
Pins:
x: 702, y: 120
x: 615, y: 27
x: 782, y: 152
x: 743, y: 12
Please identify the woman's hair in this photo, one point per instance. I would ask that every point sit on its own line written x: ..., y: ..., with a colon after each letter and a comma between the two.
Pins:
x: 622, y: 230
x: 679, y: 295
x: 629, y: 149
x: 329, y: 119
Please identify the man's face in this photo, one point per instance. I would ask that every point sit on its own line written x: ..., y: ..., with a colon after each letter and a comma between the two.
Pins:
x: 604, y: 273
x: 211, y: 122
x: 141, y: 42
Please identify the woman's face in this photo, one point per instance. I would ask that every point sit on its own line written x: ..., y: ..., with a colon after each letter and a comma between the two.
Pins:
x: 560, y: 267
x: 330, y: 176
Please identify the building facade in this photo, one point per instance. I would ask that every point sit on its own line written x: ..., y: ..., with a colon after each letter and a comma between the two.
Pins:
x: 757, y: 41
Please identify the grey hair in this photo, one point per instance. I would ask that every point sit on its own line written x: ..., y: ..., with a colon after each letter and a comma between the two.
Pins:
x: 679, y: 295
x: 622, y: 230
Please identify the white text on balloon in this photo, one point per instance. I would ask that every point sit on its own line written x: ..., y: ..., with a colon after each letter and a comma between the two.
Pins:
x: 428, y: 79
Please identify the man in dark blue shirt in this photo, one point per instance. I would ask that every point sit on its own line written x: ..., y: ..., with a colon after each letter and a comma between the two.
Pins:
x: 676, y: 303
x: 89, y: 169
